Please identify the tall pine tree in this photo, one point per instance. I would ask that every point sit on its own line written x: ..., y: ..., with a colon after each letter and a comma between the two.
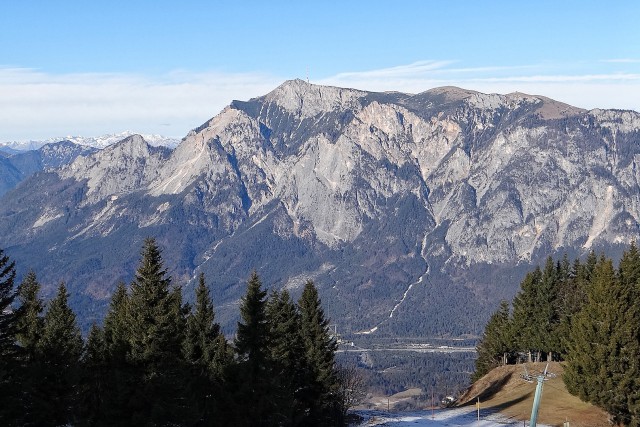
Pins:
x: 155, y: 342
x: 121, y: 378
x: 208, y: 358
x: 496, y: 344
x: 591, y: 329
x: 31, y: 322
x: 604, y: 345
x: 320, y: 348
x: 547, y: 320
x: 622, y: 398
x: 8, y: 349
x: 30, y: 328
x: 288, y: 367
x: 60, y: 348
x: 116, y: 325
x: 252, y: 351
x: 571, y: 298
x: 524, y: 307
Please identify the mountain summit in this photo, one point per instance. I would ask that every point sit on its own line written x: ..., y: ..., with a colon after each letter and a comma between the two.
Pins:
x: 414, y: 213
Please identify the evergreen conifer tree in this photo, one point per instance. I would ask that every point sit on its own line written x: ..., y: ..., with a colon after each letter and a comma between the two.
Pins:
x: 286, y: 352
x: 524, y: 307
x: 536, y: 320
x: 621, y: 394
x: 604, y: 347
x: 94, y: 384
x: 120, y: 378
x: 495, y: 344
x: 60, y: 348
x: 30, y: 328
x: 590, y: 265
x: 252, y: 351
x: 320, y: 348
x: 571, y: 298
x: 547, y: 320
x: 8, y: 317
x: 9, y: 361
x: 116, y: 325
x: 589, y: 341
x: 155, y: 341
x: 31, y: 322
x: 207, y: 358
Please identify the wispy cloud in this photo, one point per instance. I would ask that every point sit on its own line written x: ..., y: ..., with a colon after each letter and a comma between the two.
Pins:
x: 414, y: 69
x: 618, y: 77
x: 622, y: 61
x: 34, y: 104
x: 37, y: 105
x: 609, y: 88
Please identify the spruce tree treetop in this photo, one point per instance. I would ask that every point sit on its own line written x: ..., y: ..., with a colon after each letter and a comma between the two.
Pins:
x: 320, y: 348
x: 61, y: 335
x: 286, y: 346
x: 250, y: 342
x: 155, y: 335
x: 151, y: 270
x: 202, y: 331
x: 524, y: 311
x: 287, y: 360
x: 315, y: 327
x: 31, y: 323
x: 60, y: 349
x: 154, y: 330
x: 253, y: 373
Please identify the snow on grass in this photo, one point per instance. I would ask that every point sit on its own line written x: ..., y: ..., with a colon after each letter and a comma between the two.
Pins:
x: 456, y: 417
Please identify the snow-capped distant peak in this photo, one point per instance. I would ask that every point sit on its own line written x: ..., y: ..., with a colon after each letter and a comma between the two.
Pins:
x: 99, y: 142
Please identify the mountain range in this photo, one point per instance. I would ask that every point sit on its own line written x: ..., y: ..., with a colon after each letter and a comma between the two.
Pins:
x: 98, y: 142
x: 413, y: 213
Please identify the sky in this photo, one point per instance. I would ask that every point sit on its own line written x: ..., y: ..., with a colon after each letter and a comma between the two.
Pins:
x: 89, y: 68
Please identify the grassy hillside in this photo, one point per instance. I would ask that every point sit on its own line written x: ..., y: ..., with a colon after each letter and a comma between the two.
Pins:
x: 505, y: 391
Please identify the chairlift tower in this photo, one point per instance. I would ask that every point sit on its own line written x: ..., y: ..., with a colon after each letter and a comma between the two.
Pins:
x: 540, y: 378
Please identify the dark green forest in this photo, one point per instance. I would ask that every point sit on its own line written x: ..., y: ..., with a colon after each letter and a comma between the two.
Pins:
x: 585, y: 314
x: 158, y: 361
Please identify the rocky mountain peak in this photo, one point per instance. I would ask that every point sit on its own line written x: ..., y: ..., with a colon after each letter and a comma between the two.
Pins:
x: 451, y: 93
x: 308, y: 100
x: 125, y: 166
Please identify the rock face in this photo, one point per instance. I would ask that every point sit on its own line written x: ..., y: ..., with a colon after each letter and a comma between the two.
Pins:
x: 414, y: 214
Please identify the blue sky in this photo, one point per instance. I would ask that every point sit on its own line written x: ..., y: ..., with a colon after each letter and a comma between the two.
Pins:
x: 95, y: 67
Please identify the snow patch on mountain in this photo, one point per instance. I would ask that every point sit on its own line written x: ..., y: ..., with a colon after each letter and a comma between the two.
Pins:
x: 98, y: 142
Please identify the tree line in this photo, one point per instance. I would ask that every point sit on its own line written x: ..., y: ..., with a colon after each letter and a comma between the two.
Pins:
x: 158, y: 361
x: 586, y: 314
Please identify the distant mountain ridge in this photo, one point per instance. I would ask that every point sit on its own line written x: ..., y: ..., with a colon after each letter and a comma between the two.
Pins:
x: 98, y: 142
x: 414, y: 214
x: 18, y: 166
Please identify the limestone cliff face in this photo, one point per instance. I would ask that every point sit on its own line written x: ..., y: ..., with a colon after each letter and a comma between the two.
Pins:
x: 402, y: 207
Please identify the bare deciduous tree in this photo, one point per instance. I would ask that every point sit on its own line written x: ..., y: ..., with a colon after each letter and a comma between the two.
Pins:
x: 351, y: 389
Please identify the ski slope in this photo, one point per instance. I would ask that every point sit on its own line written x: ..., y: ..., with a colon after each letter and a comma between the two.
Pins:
x: 456, y: 417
